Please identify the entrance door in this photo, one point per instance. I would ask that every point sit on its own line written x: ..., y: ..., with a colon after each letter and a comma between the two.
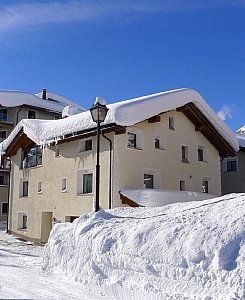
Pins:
x: 46, y: 226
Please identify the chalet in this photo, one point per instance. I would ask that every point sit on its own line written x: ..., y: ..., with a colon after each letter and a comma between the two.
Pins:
x: 171, y: 141
x: 18, y: 105
x: 233, y: 168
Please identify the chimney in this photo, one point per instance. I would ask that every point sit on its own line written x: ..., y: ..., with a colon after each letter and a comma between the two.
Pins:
x: 44, y: 94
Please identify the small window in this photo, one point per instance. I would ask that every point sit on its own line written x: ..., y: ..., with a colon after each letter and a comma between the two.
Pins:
x: 87, y: 183
x: 3, y: 115
x: 231, y: 166
x: 31, y: 114
x: 32, y: 157
x: 63, y: 185
x: 1, y: 180
x: 205, y: 186
x: 148, y: 181
x: 200, y: 154
x: 4, y: 208
x: 39, y: 187
x: 25, y: 185
x: 184, y: 154
x: 24, y: 220
x: 182, y: 185
x: 85, y: 145
x: 171, y: 123
x: 131, y: 142
x: 157, y: 144
x: 88, y: 145
x: 3, y: 135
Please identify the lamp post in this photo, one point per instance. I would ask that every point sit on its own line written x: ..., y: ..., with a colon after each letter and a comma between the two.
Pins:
x: 98, y: 112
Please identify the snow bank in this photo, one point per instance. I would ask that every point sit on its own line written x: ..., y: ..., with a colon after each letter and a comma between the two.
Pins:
x: 157, y: 197
x: 193, y: 250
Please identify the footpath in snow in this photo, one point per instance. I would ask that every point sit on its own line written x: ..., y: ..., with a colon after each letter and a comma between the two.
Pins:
x: 192, y: 250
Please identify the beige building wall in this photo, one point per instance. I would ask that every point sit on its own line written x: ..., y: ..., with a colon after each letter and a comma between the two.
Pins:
x: 48, y: 199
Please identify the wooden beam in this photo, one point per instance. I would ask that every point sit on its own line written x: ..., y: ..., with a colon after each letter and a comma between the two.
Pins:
x: 154, y: 119
x: 129, y: 202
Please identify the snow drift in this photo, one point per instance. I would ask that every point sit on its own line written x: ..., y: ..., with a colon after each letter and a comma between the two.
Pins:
x: 193, y: 250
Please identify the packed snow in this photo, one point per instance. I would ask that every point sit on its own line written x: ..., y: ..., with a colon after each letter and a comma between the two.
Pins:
x: 193, y: 250
x: 125, y: 113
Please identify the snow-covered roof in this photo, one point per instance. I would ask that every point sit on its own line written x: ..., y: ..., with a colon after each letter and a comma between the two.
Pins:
x: 17, y: 98
x: 157, y: 197
x: 241, y: 139
x: 125, y: 113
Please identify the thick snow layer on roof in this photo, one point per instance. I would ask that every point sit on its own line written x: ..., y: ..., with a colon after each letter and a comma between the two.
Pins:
x: 241, y: 138
x: 155, y: 197
x: 17, y: 98
x: 193, y: 250
x: 125, y: 113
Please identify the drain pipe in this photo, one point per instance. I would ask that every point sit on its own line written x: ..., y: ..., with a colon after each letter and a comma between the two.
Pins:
x: 10, y: 165
x: 110, y: 141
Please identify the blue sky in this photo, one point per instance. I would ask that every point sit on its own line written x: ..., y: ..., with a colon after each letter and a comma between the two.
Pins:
x: 124, y: 49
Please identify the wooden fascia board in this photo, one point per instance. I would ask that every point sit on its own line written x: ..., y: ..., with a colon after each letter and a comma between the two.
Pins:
x: 203, y: 125
x: 20, y: 141
x: 129, y: 202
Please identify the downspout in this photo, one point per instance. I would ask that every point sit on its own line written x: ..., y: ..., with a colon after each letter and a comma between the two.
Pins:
x: 10, y: 164
x: 110, y: 161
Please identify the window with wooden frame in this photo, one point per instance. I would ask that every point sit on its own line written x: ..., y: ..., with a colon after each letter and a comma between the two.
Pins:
x: 131, y: 140
x: 31, y: 114
x: 184, y: 154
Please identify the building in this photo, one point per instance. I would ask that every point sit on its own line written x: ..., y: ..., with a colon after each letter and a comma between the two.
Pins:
x: 15, y: 106
x: 171, y: 140
x: 233, y: 168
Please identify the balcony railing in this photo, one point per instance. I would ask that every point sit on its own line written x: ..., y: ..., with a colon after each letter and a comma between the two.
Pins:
x: 6, y: 118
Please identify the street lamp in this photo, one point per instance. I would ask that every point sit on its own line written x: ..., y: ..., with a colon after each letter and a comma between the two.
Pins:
x: 98, y: 112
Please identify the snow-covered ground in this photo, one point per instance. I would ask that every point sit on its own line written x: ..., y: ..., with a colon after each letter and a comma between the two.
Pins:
x: 193, y: 250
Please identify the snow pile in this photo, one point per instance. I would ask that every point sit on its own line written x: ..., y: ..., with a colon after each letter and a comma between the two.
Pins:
x: 241, y: 139
x: 157, y: 197
x: 125, y: 113
x: 193, y: 250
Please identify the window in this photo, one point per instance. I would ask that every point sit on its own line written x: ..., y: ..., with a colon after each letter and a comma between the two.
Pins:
x: 22, y: 220
x: 1, y: 180
x: 182, y: 185
x: 134, y: 138
x: 33, y: 157
x: 231, y: 166
x: 184, y: 154
x: 4, y: 208
x: 88, y: 145
x: 85, y: 145
x: 205, y: 186
x: 200, y: 155
x: 148, y: 181
x: 131, y: 142
x: 171, y: 123
x: 63, y: 185
x: 3, y: 115
x: 87, y: 183
x: 25, y: 188
x: 39, y: 187
x: 31, y: 114
x: 3, y: 135
x: 84, y: 181
x: 159, y: 142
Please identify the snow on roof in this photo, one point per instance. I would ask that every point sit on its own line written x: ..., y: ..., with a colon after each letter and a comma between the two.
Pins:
x: 241, y: 138
x: 125, y: 113
x: 157, y: 197
x: 17, y: 98
x: 191, y: 250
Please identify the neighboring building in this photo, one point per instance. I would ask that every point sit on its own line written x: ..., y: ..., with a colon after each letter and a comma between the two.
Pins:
x: 15, y: 106
x: 233, y: 168
x: 170, y: 140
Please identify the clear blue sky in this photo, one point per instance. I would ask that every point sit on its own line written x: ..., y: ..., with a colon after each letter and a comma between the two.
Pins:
x: 123, y: 49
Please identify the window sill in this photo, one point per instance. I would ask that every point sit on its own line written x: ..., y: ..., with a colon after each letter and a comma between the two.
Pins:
x: 85, y: 194
x: 40, y: 192
x: 203, y: 161
x: 184, y: 160
x: 160, y: 149
x: 132, y: 148
x: 21, y: 197
x: 64, y: 191
x: 35, y: 167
